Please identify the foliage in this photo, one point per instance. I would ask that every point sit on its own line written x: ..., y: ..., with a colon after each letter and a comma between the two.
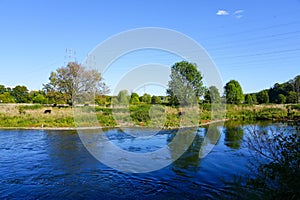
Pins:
x: 263, y: 97
x: 291, y: 97
x: 212, y: 95
x: 155, y: 100
x: 2, y: 89
x: 31, y: 107
x: 20, y: 94
x: 254, y: 98
x: 140, y: 113
x: 272, y: 113
x: 134, y: 98
x: 277, y: 153
x: 289, y: 89
x: 248, y: 99
x: 234, y: 92
x: 185, y: 86
x: 101, y: 100
x: 123, y: 97
x: 296, y: 107
x: 6, y: 97
x: 75, y: 82
x: 146, y: 98
x: 38, y: 97
x: 281, y: 99
x: 233, y: 135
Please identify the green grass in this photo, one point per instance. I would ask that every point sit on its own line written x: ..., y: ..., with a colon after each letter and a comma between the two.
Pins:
x: 140, y: 115
x: 31, y: 107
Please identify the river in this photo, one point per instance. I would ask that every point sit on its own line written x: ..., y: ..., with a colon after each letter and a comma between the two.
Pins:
x: 41, y: 164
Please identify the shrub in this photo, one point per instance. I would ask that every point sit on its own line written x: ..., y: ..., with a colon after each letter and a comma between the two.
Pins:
x: 276, y: 154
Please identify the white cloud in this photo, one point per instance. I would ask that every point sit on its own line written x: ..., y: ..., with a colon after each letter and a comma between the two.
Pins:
x: 222, y: 12
x: 238, y: 12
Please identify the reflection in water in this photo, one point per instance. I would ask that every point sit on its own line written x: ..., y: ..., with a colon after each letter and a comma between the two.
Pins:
x: 190, y: 159
x: 233, y: 135
x: 212, y: 137
x: 66, y: 149
x: 56, y: 165
x: 137, y: 155
x: 204, y: 141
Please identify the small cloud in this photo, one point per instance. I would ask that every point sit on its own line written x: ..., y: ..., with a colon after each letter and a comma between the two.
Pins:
x: 238, y: 14
x: 222, y: 12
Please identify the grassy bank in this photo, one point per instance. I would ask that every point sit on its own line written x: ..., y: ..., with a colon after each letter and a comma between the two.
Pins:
x: 32, y: 116
x: 263, y: 112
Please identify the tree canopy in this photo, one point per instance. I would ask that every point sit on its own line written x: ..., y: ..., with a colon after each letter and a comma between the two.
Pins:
x: 263, y: 97
x: 20, y: 94
x: 75, y: 82
x: 134, y: 98
x: 212, y: 95
x: 248, y: 99
x: 234, y: 92
x: 146, y: 98
x: 123, y: 98
x: 185, y: 86
x: 290, y: 90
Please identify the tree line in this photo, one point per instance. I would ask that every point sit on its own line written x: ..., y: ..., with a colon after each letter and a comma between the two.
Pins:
x: 76, y: 83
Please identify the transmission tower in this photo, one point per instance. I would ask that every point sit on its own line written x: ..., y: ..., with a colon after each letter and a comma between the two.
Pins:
x: 70, y: 56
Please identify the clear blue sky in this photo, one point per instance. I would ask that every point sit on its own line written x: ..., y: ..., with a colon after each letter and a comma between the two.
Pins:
x: 256, y: 42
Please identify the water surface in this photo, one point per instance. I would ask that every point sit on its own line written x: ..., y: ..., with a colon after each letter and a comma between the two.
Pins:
x: 39, y: 164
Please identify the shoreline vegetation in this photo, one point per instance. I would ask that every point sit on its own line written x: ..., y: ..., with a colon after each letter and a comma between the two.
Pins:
x: 76, y: 96
x: 33, y: 116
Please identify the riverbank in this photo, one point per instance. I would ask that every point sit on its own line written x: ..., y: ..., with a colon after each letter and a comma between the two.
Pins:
x: 15, y: 116
x: 100, y: 127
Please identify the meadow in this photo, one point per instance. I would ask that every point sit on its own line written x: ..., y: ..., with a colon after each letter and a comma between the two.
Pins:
x: 143, y: 115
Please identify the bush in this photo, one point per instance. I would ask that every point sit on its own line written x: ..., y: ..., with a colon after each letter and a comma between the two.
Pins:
x: 276, y: 152
x: 295, y: 107
x: 140, y: 113
x: 272, y: 113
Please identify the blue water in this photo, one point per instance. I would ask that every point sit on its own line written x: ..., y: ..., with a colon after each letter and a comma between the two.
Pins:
x: 41, y: 164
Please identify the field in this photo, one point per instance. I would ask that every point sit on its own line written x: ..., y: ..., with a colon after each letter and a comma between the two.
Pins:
x: 143, y: 115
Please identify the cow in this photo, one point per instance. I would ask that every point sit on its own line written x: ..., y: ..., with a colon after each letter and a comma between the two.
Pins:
x: 47, y: 111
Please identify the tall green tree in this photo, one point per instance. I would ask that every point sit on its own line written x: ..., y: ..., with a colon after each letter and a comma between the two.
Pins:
x: 75, y: 82
x: 38, y: 97
x: 212, y: 95
x: 281, y: 99
x: 123, y: 97
x: 6, y: 97
x: 234, y: 92
x: 155, y: 99
x: 254, y: 99
x: 248, y: 99
x: 146, y: 98
x: 2, y: 89
x: 292, y: 97
x: 263, y: 97
x: 134, y: 98
x: 185, y: 86
x: 20, y: 94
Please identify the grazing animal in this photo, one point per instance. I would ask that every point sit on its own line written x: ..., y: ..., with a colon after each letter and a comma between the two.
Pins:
x: 181, y: 113
x: 47, y: 111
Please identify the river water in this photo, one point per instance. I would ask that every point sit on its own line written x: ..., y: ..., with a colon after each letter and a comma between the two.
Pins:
x: 41, y: 164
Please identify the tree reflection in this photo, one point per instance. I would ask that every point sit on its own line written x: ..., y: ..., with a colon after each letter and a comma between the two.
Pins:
x: 233, y: 135
x: 212, y: 137
x: 190, y: 159
x: 66, y: 150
